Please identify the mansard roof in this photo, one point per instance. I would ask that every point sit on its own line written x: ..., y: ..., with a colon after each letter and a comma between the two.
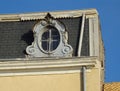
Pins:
x: 82, y: 26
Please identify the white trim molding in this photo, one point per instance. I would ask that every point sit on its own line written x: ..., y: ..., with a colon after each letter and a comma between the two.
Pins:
x: 94, y: 36
x: 45, y: 66
x: 81, y: 35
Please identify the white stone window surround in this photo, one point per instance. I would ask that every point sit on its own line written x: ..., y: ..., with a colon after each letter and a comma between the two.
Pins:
x: 41, y: 33
x: 63, y: 49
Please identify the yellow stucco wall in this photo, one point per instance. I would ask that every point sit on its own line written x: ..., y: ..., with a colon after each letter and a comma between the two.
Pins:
x: 63, y: 82
x: 54, y: 82
x: 93, y: 80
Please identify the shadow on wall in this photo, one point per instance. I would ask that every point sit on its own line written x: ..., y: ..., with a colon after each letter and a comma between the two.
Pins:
x: 28, y: 38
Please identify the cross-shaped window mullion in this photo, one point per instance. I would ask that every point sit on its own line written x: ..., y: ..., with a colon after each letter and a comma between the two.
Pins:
x: 54, y: 40
x: 50, y: 40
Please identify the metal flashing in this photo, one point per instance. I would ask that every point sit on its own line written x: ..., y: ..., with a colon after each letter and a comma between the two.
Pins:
x: 41, y: 15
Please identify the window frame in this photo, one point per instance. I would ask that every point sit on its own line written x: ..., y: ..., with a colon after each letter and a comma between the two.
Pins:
x: 40, y: 39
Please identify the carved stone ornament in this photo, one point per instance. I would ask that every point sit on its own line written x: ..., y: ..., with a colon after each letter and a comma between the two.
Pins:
x: 50, y: 39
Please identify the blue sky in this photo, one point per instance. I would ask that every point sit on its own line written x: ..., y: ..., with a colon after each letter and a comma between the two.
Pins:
x: 109, y: 11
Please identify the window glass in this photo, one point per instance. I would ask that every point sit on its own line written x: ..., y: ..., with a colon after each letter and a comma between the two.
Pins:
x: 50, y: 39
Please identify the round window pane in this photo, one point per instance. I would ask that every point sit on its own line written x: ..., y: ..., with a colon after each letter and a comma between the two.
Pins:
x: 50, y: 39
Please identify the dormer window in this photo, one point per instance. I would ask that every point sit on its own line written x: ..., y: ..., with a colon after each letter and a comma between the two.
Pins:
x: 50, y: 39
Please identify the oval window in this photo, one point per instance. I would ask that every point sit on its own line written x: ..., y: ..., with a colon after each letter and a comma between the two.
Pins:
x: 50, y: 39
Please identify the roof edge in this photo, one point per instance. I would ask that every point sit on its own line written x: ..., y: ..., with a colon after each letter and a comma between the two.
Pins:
x: 41, y: 15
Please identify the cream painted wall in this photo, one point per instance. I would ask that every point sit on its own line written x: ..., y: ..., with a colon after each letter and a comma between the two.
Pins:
x: 53, y: 82
x: 93, y: 80
x: 61, y: 82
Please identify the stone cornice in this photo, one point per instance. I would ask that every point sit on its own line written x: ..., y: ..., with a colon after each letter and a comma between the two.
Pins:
x: 45, y: 66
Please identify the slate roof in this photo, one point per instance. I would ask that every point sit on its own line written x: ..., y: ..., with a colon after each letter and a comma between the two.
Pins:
x: 114, y: 86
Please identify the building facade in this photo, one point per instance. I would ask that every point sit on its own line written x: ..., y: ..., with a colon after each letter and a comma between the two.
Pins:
x: 51, y: 51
